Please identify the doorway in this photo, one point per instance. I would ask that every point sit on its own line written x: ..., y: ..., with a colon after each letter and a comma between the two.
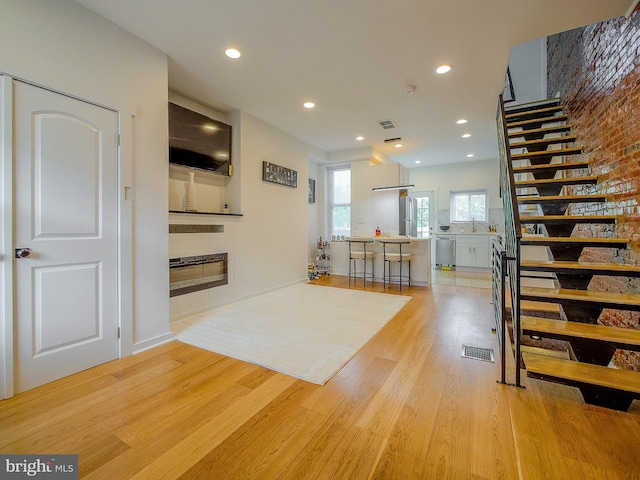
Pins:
x: 424, y: 212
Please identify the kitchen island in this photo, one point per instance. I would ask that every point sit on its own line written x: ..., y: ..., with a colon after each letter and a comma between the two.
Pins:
x: 420, y: 259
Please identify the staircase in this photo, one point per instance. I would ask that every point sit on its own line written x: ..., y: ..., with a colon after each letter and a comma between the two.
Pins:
x: 548, y: 175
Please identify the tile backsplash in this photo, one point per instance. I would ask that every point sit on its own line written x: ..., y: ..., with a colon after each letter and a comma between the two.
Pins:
x: 496, y: 217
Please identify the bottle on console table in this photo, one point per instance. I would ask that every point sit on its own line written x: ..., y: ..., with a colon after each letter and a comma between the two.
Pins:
x: 377, y: 231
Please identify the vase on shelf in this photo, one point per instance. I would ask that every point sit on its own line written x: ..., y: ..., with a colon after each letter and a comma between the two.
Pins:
x: 191, y: 198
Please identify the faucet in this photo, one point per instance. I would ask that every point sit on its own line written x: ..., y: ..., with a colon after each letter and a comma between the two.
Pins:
x: 473, y: 224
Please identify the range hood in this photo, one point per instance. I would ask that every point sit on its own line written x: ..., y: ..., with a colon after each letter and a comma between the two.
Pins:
x: 389, y: 176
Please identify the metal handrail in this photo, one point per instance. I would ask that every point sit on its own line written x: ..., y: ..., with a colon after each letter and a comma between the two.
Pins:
x: 513, y: 234
x: 498, y: 288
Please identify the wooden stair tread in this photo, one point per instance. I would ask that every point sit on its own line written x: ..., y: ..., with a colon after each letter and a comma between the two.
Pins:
x: 621, y: 301
x: 563, y: 198
x: 589, y: 180
x: 533, y: 306
x: 583, y: 241
x: 541, y: 131
x: 554, y: 118
x: 533, y: 113
x: 547, y: 153
x: 545, y: 351
x: 544, y: 141
x: 567, y: 219
x: 552, y: 166
x: 523, y: 107
x: 581, y: 268
x: 627, y: 337
x: 578, y: 372
x: 537, y: 121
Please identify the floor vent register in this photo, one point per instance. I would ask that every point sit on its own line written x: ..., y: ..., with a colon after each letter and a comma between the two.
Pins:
x: 477, y: 353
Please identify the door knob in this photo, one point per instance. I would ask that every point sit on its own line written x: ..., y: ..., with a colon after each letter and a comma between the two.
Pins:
x: 23, y: 252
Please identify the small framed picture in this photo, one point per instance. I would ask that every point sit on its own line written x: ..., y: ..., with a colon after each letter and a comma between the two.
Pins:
x: 312, y: 190
x: 278, y: 174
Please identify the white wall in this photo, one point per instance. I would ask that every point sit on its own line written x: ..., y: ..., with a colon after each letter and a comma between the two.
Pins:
x: 442, y: 179
x: 272, y: 244
x: 528, y: 67
x: 316, y: 210
x: 61, y: 45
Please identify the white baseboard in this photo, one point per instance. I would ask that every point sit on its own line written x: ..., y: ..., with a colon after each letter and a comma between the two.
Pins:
x: 153, y: 342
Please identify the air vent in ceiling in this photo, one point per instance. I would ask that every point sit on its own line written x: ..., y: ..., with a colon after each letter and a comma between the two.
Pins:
x: 387, y: 124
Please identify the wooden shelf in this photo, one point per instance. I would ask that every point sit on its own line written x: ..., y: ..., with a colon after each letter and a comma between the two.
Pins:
x: 207, y: 213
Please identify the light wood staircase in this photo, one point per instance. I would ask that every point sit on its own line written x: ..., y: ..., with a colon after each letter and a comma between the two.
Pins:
x: 547, y: 168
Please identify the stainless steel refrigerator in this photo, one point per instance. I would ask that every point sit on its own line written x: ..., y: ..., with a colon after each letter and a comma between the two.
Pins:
x: 408, y: 216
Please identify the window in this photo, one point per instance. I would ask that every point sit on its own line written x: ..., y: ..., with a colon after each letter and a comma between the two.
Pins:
x: 467, y: 206
x: 340, y: 200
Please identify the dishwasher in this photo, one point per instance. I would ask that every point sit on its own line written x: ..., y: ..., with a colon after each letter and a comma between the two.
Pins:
x: 445, y: 250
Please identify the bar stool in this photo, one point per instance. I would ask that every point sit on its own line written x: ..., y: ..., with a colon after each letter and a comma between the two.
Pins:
x: 358, y: 251
x: 392, y: 252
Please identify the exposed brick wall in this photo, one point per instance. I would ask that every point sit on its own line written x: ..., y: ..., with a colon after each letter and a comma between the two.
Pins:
x: 596, y: 71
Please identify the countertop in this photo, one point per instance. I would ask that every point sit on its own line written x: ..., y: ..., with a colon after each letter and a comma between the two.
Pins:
x: 390, y: 237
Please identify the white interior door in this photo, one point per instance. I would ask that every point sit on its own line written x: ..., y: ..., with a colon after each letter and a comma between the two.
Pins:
x: 66, y: 220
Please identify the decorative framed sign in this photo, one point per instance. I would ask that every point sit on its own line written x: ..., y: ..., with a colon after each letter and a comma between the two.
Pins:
x: 281, y: 175
x: 312, y: 190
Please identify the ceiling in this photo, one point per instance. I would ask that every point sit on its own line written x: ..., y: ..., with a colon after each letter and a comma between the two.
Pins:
x: 354, y: 58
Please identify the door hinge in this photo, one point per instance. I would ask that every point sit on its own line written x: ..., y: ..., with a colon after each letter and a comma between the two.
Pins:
x: 118, y: 332
x: 117, y: 140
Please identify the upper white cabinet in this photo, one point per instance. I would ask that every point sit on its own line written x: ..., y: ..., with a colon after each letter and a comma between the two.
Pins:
x: 472, y: 251
x: 388, y: 175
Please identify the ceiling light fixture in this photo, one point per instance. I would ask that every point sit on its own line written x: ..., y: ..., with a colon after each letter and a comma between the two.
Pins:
x: 360, y: 138
x: 443, y: 69
x: 418, y: 161
x: 462, y: 121
x: 232, y: 53
x: 393, y: 187
x: 469, y: 155
x: 466, y: 135
x: 309, y: 105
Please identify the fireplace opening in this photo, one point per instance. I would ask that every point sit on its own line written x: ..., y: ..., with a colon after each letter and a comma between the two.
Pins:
x: 191, y: 274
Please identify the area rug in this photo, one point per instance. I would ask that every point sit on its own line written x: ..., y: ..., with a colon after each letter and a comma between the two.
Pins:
x: 306, y: 331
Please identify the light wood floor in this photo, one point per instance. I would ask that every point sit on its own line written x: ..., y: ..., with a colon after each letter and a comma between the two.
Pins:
x: 407, y: 406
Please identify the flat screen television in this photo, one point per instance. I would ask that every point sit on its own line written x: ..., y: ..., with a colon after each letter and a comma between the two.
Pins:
x: 197, y: 141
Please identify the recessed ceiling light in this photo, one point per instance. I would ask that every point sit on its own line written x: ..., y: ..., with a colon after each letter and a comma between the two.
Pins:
x: 418, y: 161
x: 398, y: 145
x: 466, y: 135
x: 360, y: 138
x: 469, y: 155
x: 232, y: 53
x: 461, y: 121
x: 443, y: 69
x: 309, y: 105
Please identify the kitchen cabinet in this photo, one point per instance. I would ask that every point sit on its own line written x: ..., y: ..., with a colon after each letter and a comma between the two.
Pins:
x: 472, y: 251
